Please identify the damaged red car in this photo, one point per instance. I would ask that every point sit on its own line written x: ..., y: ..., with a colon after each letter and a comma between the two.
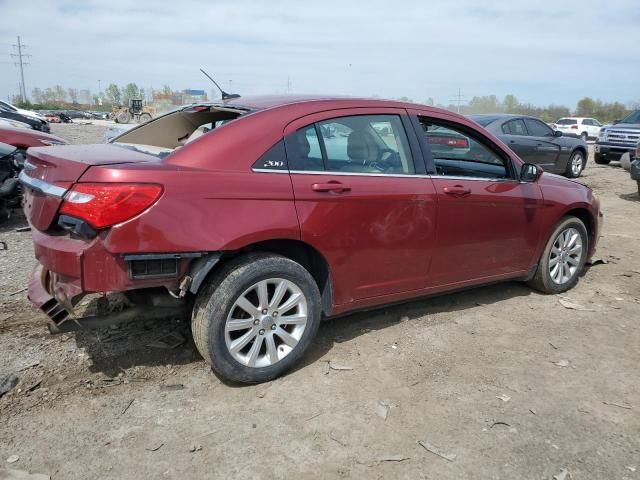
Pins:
x: 258, y: 217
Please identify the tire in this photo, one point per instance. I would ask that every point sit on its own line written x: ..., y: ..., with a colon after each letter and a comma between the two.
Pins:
x: 123, y: 117
x: 575, y: 165
x: 144, y: 117
x: 542, y: 280
x: 600, y: 159
x: 216, y: 304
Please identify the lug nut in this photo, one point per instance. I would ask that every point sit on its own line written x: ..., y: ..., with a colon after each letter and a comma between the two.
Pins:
x: 275, y: 314
x: 256, y: 322
x: 273, y: 327
x: 261, y: 331
x: 264, y: 311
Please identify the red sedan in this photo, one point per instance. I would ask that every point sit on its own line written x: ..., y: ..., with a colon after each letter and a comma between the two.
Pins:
x: 259, y: 216
x: 24, y: 138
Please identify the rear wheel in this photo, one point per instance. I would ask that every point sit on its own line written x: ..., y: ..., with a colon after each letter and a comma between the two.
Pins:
x: 575, y: 165
x: 563, y: 258
x: 256, y: 318
x: 145, y: 117
x: 123, y: 117
x: 601, y: 159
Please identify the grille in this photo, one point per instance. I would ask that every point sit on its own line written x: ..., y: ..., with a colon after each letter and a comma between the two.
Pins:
x: 623, y: 137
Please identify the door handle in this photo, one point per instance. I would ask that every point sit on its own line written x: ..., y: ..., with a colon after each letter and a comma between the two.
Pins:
x: 336, y: 187
x: 457, y: 191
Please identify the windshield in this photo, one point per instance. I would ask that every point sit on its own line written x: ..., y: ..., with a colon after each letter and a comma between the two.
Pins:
x: 567, y: 121
x: 483, y: 121
x: 633, y: 118
x: 7, y: 107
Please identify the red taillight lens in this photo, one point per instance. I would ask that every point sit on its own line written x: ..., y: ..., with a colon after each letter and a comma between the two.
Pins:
x: 575, y: 127
x: 449, y: 141
x: 102, y: 205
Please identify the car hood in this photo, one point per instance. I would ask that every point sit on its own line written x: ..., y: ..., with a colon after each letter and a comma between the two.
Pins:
x: 552, y: 180
x: 626, y: 126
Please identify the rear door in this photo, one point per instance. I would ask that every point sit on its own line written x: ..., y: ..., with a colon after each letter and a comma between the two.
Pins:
x: 363, y: 200
x: 547, y: 146
x: 487, y: 219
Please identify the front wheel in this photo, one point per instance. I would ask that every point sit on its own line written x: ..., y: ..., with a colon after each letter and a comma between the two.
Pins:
x: 256, y: 318
x: 563, y: 258
x: 575, y: 165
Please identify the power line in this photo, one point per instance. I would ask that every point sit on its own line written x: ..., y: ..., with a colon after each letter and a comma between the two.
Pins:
x: 458, y: 98
x: 20, y: 56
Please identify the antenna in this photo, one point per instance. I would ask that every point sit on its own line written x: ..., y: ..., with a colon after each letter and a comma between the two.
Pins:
x: 225, y: 95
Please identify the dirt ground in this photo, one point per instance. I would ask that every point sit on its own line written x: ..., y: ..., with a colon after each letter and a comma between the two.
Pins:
x: 509, y: 381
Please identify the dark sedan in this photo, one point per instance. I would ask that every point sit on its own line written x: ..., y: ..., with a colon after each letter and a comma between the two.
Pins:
x: 33, y: 122
x: 535, y: 142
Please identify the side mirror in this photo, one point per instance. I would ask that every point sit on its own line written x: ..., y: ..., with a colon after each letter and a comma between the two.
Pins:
x: 557, y: 133
x: 530, y: 173
x: 616, y: 121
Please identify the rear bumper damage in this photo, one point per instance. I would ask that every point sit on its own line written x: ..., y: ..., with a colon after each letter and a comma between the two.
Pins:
x: 71, y: 268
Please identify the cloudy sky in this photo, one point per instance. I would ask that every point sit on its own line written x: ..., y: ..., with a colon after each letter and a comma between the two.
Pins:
x: 543, y: 52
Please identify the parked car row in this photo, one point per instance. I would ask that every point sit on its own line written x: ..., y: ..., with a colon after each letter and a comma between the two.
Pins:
x: 34, y: 120
x: 618, y: 139
x: 260, y: 216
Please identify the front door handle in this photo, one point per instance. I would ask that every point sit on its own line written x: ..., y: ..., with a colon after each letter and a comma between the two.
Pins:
x: 457, y: 191
x: 336, y: 187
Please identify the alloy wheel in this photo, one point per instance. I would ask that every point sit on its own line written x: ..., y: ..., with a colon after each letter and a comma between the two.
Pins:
x: 576, y: 163
x: 266, y: 322
x: 565, y: 256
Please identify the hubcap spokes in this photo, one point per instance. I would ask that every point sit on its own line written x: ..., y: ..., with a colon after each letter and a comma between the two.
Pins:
x: 577, y: 164
x: 266, y: 322
x: 565, y: 256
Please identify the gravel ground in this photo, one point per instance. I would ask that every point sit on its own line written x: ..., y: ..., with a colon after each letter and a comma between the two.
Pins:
x: 510, y: 382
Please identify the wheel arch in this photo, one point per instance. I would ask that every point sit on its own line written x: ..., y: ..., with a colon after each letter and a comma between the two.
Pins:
x: 586, y: 217
x: 298, y: 251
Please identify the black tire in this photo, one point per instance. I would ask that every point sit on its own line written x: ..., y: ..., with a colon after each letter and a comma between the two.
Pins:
x: 145, y: 117
x: 542, y: 280
x: 576, y: 156
x: 214, y: 303
x: 600, y: 159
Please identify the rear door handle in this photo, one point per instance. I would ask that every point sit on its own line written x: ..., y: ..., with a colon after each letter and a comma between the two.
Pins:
x: 457, y: 191
x: 336, y: 187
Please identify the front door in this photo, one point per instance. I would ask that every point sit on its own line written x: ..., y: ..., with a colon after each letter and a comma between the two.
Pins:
x: 486, y: 218
x: 360, y: 200
x: 548, y: 146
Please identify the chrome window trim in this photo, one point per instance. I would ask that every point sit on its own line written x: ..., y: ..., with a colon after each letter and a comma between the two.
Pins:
x: 406, y: 175
x: 40, y: 186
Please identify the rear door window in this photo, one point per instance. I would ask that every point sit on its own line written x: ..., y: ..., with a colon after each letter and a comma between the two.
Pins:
x: 368, y: 144
x: 514, y: 127
x: 538, y: 129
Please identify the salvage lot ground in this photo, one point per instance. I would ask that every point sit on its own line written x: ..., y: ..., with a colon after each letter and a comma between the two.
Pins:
x: 513, y: 383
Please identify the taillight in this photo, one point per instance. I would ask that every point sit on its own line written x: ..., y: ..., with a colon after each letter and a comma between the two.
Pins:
x: 449, y: 141
x: 102, y: 205
x: 574, y: 127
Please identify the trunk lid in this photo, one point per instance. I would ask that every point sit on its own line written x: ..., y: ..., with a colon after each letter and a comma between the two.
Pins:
x: 50, y: 171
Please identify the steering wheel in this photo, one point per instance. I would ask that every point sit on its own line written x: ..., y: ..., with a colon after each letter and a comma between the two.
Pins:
x: 384, y: 164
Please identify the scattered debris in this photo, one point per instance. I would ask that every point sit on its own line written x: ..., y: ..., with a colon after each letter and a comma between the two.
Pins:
x: 31, y: 365
x: 195, y: 448
x: 393, y: 458
x: 404, y: 319
x: 327, y: 367
x: 532, y: 410
x: 599, y: 261
x: 504, y: 397
x: 436, y: 451
x: 574, y: 306
x: 499, y: 423
x: 313, y: 416
x: 13, y: 459
x: 561, y: 363
x: 34, y: 386
x: 22, y: 475
x: 23, y: 229
x: 18, y: 291
x: 630, y: 468
x: 619, y: 405
x: 563, y: 475
x: 155, y: 448
x: 168, y: 341
x: 8, y: 383
x: 554, y: 347
x: 3, y: 245
x: 172, y: 387
x: 127, y: 407
x: 337, y: 440
x: 335, y: 366
x: 382, y: 409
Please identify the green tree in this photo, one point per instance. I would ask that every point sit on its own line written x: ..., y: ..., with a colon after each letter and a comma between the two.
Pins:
x: 586, y: 107
x: 130, y: 91
x: 112, y: 94
x: 166, y: 90
x: 510, y: 104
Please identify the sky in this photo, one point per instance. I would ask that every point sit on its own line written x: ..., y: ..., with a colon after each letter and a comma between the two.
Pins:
x: 542, y: 52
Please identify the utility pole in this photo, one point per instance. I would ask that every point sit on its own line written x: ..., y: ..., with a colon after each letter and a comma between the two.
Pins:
x: 21, y: 63
x: 288, y: 84
x: 458, y: 98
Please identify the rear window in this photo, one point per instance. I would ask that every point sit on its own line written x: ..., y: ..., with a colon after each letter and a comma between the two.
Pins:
x: 483, y: 121
x: 567, y: 121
